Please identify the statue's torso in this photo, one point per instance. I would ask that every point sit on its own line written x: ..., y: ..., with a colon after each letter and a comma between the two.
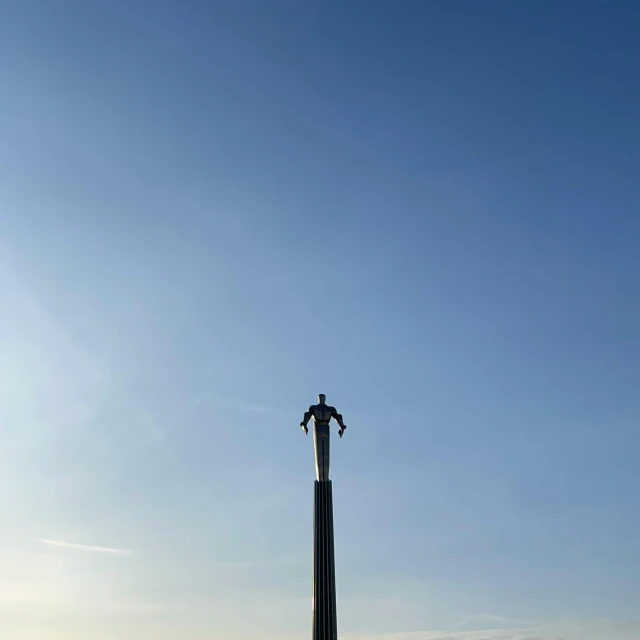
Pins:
x: 321, y: 413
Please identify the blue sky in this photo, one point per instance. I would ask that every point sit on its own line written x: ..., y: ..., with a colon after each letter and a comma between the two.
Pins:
x: 210, y: 212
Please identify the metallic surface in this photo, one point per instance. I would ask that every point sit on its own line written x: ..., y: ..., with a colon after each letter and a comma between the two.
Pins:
x: 322, y: 414
x: 325, y: 625
x: 321, y: 442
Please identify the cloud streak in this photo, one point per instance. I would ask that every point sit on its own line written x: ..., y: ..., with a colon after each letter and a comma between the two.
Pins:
x: 490, y: 618
x: 239, y: 404
x: 594, y: 630
x: 84, y: 547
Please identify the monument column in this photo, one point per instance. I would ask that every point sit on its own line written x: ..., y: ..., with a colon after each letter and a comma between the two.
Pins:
x: 325, y: 625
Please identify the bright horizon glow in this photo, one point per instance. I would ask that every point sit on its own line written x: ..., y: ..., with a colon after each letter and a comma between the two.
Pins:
x: 210, y: 212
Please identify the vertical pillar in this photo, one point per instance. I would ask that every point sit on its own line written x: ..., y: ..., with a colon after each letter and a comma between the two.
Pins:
x: 324, y: 575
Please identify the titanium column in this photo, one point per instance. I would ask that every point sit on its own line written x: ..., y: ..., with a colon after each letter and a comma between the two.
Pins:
x: 324, y: 575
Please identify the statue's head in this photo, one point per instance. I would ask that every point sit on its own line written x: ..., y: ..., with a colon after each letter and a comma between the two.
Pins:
x: 322, y: 398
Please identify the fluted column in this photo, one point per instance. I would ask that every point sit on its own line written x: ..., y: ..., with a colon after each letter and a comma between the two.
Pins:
x: 324, y: 575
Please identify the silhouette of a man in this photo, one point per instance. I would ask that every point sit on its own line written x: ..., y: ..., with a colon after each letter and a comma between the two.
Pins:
x: 322, y: 414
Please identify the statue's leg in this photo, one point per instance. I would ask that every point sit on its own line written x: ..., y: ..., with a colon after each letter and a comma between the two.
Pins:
x: 321, y: 442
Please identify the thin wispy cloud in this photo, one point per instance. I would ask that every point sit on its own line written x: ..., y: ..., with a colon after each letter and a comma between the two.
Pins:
x: 250, y: 407
x: 490, y: 618
x: 264, y: 563
x: 594, y: 630
x: 84, y: 547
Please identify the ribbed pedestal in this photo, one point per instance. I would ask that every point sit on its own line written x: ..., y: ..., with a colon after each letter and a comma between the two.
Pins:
x: 324, y: 574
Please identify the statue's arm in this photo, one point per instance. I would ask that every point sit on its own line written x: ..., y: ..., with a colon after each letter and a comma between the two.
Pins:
x: 306, y: 418
x: 338, y: 418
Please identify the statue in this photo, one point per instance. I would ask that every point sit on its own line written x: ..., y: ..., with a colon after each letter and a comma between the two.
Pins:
x: 322, y: 414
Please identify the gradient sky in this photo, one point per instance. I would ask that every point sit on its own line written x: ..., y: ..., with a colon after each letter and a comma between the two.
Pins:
x: 212, y: 211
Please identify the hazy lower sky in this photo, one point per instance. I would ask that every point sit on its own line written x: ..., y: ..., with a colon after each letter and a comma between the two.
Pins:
x: 212, y: 211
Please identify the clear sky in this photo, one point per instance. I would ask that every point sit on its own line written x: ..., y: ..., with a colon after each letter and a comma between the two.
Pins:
x: 212, y: 211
